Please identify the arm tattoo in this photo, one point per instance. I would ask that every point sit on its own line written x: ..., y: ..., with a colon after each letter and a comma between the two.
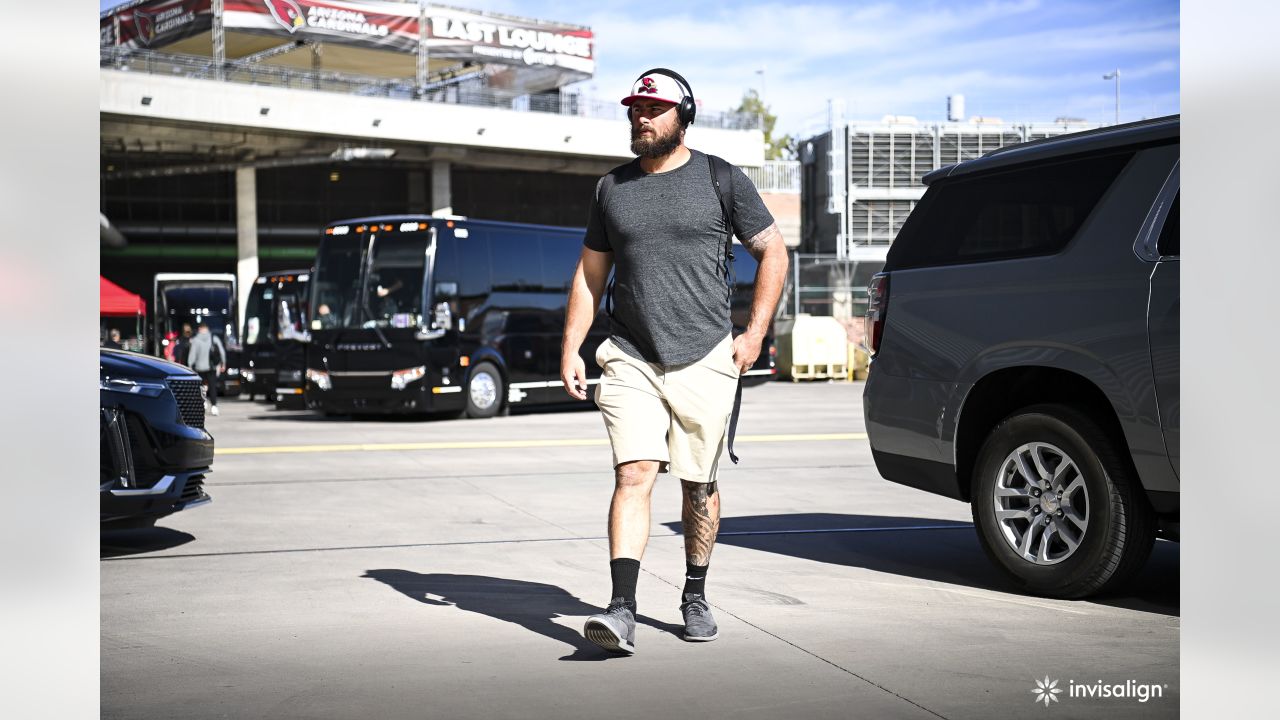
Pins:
x: 757, y: 243
x: 700, y: 520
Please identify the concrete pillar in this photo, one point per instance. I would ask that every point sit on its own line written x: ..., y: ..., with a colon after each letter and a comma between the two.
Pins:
x: 246, y: 238
x: 441, y: 191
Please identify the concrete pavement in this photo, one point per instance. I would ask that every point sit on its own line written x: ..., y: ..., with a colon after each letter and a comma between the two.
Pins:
x: 453, y: 583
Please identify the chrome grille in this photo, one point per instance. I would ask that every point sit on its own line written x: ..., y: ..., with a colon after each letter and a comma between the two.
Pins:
x: 190, y: 401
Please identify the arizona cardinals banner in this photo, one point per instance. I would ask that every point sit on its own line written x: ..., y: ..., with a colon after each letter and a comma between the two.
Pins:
x: 153, y: 24
x: 384, y: 25
x: 451, y: 33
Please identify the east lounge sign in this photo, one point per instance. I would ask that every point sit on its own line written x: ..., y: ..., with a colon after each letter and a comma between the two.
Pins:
x: 456, y: 33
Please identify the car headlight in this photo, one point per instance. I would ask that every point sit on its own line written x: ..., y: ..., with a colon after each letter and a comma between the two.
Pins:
x: 401, y: 378
x: 249, y: 376
x: 234, y: 372
x: 320, y: 378
x: 132, y: 387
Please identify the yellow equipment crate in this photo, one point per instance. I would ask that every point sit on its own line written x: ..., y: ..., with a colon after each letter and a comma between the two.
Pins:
x: 812, y: 348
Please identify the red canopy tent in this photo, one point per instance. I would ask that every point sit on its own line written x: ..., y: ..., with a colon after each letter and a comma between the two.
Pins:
x: 115, y: 301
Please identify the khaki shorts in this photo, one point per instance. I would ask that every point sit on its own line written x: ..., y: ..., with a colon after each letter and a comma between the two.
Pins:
x: 677, y: 416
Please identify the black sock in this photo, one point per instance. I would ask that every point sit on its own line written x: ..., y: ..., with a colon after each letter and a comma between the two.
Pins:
x: 625, y: 573
x: 695, y: 578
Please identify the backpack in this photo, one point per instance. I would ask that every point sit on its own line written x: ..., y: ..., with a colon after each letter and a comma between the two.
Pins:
x: 215, y: 352
x: 719, y: 168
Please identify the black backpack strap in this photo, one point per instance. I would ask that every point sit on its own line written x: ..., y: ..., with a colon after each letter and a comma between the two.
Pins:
x: 733, y: 420
x: 720, y: 168
x: 602, y: 194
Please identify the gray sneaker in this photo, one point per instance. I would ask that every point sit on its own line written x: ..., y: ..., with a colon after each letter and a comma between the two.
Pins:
x: 615, y: 628
x: 699, y: 624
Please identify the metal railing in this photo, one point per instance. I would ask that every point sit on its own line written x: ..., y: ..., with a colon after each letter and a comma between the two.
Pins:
x: 827, y: 285
x: 469, y: 92
x: 776, y: 176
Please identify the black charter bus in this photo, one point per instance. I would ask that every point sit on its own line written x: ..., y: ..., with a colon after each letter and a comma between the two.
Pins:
x: 412, y: 313
x: 180, y: 300
x: 275, y: 335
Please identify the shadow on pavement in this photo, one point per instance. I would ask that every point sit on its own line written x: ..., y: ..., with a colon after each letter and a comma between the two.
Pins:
x: 531, y: 605
x: 120, y: 542
x: 948, y: 552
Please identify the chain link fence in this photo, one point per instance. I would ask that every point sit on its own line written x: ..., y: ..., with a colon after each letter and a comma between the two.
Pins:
x: 828, y: 286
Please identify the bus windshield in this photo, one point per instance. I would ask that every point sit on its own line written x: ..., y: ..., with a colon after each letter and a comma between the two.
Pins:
x: 291, y: 322
x: 192, y: 304
x: 371, y: 281
x: 257, y: 313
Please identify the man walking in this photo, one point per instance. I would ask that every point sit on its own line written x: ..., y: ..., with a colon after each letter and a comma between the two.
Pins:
x: 671, y: 365
x: 208, y: 356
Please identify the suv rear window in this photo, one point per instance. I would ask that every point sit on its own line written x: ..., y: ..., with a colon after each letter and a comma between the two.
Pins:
x: 1170, y: 236
x: 1015, y: 213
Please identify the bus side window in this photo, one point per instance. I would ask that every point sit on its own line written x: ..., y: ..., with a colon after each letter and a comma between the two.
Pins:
x: 560, y: 252
x: 469, y: 258
x: 517, y: 261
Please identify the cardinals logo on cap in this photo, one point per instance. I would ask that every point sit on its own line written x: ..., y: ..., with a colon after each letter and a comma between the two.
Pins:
x: 647, y: 85
x: 287, y: 13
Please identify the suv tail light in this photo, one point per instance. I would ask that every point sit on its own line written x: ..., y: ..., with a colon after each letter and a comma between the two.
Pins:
x: 877, y: 311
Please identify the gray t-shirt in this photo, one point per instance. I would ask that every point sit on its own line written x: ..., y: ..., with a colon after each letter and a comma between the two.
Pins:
x: 666, y: 232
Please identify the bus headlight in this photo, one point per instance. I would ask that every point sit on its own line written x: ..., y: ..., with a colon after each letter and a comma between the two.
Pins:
x: 320, y: 379
x: 401, y: 378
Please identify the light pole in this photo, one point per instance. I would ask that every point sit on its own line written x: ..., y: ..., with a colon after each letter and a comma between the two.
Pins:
x: 1115, y: 74
x: 760, y: 118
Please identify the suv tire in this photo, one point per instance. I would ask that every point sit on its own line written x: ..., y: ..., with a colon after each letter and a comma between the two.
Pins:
x: 485, y: 391
x: 1101, y: 508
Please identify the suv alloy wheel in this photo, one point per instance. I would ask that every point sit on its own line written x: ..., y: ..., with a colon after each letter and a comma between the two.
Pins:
x: 1057, y: 507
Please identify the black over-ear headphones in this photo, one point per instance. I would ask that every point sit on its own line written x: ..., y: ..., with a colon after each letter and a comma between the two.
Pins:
x: 687, y: 109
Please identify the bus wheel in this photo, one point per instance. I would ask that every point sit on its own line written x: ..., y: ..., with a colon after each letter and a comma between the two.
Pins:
x: 484, y: 391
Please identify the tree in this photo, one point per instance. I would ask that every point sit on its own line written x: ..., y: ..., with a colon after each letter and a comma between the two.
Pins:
x: 782, y: 148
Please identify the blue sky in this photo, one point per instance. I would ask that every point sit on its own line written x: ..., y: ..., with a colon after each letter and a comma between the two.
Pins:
x: 1020, y: 60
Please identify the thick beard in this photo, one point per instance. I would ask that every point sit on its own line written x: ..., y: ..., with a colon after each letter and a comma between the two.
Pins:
x: 656, y: 147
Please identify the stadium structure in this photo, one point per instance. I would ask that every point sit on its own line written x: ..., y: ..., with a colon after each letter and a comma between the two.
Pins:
x: 232, y: 130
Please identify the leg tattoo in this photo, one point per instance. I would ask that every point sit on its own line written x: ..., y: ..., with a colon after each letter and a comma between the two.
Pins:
x: 701, y: 520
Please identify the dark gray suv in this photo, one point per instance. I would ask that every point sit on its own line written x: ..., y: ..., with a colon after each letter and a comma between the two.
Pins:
x: 1025, y: 344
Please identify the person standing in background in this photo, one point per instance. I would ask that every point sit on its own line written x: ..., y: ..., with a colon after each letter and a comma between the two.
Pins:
x: 183, y: 346
x: 207, y: 356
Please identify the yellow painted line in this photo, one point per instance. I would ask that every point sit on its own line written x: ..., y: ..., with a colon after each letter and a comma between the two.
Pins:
x: 503, y: 444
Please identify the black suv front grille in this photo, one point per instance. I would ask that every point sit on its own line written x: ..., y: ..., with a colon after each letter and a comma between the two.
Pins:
x: 190, y: 401
x: 194, y: 489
